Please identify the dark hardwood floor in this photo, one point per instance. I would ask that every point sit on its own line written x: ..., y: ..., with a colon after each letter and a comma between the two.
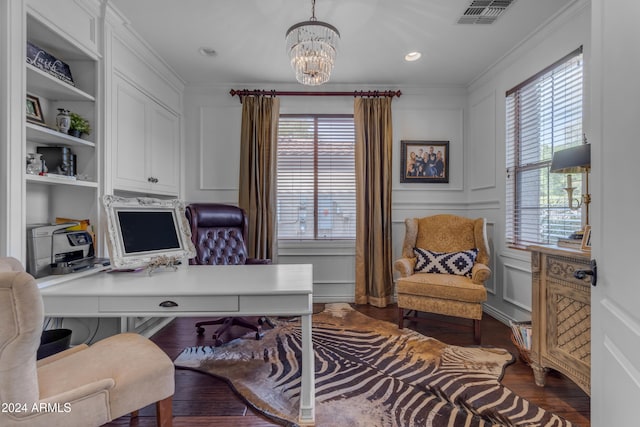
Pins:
x: 201, y: 400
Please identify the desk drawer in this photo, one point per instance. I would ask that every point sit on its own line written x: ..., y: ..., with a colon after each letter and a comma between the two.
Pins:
x: 182, y: 304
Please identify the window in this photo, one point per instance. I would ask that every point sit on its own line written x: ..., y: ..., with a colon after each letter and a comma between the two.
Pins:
x: 316, y: 177
x: 544, y: 115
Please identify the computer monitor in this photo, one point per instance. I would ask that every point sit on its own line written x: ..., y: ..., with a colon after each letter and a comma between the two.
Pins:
x: 144, y: 231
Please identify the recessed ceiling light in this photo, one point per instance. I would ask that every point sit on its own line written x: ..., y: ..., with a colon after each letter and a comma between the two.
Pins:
x: 412, y: 56
x: 207, y: 51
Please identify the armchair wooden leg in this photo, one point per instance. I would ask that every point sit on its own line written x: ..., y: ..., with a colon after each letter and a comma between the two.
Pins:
x: 477, y: 333
x: 164, y: 412
x: 134, y: 414
x: 400, y: 318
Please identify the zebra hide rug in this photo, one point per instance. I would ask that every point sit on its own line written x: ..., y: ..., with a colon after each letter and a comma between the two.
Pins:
x: 369, y: 373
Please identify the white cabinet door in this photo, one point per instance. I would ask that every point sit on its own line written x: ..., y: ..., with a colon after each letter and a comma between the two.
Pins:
x: 146, y: 143
x: 129, y: 130
x: 164, y: 150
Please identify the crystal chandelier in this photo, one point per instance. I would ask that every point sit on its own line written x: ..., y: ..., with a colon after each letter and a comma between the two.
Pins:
x: 312, y: 48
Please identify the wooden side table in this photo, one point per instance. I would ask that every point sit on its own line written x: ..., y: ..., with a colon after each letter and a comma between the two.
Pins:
x: 561, y: 316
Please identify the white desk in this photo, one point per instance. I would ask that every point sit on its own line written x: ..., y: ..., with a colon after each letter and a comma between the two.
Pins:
x: 194, y: 291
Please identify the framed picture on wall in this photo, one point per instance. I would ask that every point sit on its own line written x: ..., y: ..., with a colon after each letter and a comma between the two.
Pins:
x: 586, y: 238
x: 34, y: 111
x: 424, y: 161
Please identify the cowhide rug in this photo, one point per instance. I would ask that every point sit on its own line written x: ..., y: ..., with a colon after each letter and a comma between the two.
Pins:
x: 370, y: 373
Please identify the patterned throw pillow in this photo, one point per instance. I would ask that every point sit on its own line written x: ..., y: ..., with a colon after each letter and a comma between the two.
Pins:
x: 458, y: 263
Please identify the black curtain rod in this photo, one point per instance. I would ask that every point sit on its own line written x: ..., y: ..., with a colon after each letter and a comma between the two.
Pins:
x: 363, y: 93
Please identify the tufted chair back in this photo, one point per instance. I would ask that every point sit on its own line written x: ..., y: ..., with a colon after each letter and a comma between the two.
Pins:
x: 446, y: 233
x: 218, y: 233
x: 21, y: 317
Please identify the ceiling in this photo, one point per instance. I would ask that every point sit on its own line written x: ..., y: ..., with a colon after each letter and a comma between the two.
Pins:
x: 249, y: 38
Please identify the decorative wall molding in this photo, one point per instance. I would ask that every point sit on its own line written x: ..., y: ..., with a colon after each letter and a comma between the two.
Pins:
x: 484, y: 204
x: 428, y: 205
x: 516, y: 254
x: 444, y: 205
x: 625, y: 364
x: 307, y: 252
x: 481, y: 141
x: 622, y: 317
x: 497, y: 314
x: 419, y: 123
x: 327, y: 291
x: 505, y: 288
x: 212, y: 144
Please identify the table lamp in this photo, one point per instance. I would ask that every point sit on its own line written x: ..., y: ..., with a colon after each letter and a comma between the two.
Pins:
x: 574, y: 160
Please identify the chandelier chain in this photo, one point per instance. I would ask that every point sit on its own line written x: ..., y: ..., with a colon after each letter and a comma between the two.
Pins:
x: 313, y: 11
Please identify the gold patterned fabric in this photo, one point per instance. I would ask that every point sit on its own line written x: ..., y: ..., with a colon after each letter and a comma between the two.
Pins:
x: 446, y: 294
x: 374, y: 141
x: 257, y: 190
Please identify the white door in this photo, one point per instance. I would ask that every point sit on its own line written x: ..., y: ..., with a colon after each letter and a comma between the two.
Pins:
x: 615, y: 135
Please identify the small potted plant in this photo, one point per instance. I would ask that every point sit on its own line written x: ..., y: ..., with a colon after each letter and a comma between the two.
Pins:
x: 79, y: 125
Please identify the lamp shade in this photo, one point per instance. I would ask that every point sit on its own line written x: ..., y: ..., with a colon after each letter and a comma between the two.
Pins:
x: 572, y: 160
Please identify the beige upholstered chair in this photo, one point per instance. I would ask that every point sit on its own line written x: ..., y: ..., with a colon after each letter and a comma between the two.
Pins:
x: 83, y: 386
x: 435, y: 289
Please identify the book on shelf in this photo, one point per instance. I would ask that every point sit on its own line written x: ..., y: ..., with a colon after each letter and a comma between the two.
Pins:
x: 62, y: 177
x: 522, y: 333
x: 570, y: 243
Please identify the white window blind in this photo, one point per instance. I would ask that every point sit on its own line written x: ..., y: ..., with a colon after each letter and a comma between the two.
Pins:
x: 543, y: 115
x: 316, y: 177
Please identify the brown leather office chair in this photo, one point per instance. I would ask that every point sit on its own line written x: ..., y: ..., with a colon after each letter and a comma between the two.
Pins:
x: 218, y: 233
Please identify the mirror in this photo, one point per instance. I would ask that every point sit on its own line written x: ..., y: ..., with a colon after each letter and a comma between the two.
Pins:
x: 147, y: 232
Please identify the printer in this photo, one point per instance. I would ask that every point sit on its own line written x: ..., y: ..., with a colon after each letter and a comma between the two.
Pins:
x: 52, y: 249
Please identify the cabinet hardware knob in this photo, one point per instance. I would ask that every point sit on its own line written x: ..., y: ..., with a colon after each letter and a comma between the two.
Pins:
x: 150, y: 179
x: 167, y: 304
x: 581, y: 274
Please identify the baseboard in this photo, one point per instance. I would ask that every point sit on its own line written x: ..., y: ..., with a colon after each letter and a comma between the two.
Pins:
x: 331, y: 299
x: 497, y: 314
x: 149, y: 328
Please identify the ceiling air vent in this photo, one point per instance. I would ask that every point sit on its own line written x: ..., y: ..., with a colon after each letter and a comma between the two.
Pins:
x: 484, y: 11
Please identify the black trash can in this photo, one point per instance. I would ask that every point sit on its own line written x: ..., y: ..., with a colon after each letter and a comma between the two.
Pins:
x: 53, y: 341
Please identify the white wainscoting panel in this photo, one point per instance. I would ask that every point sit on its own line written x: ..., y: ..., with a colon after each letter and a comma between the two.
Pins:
x: 621, y: 338
x: 336, y: 291
x: 493, y: 260
x: 219, y: 148
x: 481, y: 142
x: 333, y: 267
x: 620, y: 378
x: 431, y: 125
x: 516, y: 286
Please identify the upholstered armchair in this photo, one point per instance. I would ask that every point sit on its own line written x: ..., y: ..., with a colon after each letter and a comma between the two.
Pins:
x: 83, y: 386
x: 218, y: 232
x: 443, y: 268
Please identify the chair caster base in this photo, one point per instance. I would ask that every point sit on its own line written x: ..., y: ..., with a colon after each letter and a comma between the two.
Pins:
x: 266, y: 320
x: 216, y: 340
